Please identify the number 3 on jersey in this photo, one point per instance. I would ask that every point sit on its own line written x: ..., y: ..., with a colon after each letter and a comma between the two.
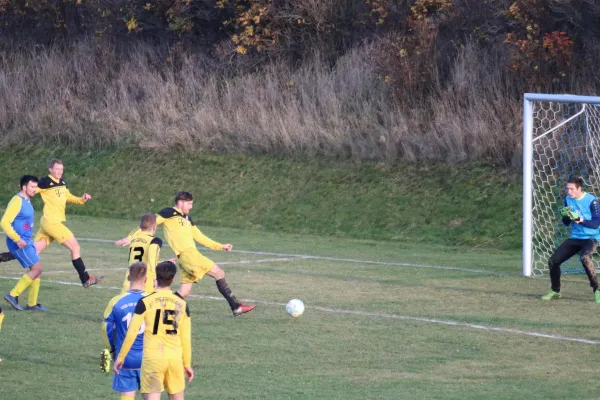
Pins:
x: 168, y: 318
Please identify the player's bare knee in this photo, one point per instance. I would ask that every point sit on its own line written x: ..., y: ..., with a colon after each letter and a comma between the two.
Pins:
x: 40, y: 245
x: 36, y: 271
x: 217, y: 273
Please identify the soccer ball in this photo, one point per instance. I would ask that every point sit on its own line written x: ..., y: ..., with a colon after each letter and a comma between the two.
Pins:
x: 295, y: 308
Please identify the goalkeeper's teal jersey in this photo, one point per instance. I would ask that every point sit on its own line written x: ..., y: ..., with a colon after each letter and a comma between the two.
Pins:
x: 588, y: 208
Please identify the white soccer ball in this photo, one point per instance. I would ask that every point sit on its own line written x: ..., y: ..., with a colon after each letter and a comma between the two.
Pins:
x: 295, y: 308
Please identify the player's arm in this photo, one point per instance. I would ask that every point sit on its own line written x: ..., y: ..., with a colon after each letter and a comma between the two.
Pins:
x: 153, y: 259
x: 12, y: 210
x: 186, y: 338
x: 205, y: 240
x: 108, y: 326
x: 593, y: 223
x: 132, y: 332
x: 72, y: 199
x: 154, y: 252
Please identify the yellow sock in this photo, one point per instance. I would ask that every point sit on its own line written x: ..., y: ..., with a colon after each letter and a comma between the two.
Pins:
x: 1, y: 319
x: 20, y: 287
x: 34, y: 290
x: 127, y: 398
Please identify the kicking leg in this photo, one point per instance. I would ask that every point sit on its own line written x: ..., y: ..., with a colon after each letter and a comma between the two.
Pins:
x: 84, y: 277
x: 237, y: 307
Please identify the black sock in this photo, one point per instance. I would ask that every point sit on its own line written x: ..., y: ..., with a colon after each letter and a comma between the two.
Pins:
x: 226, y: 292
x: 80, y: 267
x: 8, y: 256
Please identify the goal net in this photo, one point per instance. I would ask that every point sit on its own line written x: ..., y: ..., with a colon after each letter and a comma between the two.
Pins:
x: 561, y: 139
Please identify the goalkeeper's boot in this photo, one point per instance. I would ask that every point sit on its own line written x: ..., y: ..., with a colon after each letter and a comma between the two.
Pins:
x: 105, y: 360
x: 93, y: 280
x: 551, y: 296
x: 243, y: 308
x: 597, y: 295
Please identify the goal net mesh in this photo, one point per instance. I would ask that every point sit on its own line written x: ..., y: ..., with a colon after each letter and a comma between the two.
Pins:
x: 566, y: 140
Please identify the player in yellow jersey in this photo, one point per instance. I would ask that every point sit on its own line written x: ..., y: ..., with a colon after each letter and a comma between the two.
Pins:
x: 144, y: 247
x: 56, y: 195
x: 181, y: 234
x: 167, y: 354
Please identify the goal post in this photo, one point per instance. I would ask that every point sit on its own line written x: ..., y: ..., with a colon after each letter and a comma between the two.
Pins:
x: 561, y: 138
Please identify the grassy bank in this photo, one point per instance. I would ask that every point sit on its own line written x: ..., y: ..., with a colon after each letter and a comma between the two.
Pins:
x: 471, y: 205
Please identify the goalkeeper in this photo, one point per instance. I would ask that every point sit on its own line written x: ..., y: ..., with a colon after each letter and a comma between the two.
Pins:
x: 581, y: 211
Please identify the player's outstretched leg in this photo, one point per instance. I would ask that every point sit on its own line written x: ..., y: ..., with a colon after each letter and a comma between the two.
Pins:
x: 237, y: 307
x: 86, y: 279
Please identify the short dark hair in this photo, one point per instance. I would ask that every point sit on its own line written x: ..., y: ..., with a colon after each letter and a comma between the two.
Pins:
x: 25, y: 179
x: 165, y: 272
x: 576, y: 180
x: 183, y: 196
x: 137, y: 271
x: 54, y: 161
x: 147, y: 221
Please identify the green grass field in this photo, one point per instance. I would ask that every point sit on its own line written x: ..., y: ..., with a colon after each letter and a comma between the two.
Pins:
x: 383, y: 320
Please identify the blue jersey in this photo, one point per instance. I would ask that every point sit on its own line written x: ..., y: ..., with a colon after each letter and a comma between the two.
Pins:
x: 588, y: 208
x: 117, y: 317
x: 19, y: 214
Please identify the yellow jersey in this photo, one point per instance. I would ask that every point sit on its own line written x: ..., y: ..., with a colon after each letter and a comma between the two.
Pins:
x: 56, y: 195
x: 180, y: 231
x: 167, y: 331
x: 145, y: 248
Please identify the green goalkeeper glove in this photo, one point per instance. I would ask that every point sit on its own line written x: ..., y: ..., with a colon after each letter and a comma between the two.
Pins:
x: 564, y: 212
x: 574, y: 215
x: 567, y: 212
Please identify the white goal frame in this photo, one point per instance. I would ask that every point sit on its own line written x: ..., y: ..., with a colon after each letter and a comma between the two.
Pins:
x: 528, y: 139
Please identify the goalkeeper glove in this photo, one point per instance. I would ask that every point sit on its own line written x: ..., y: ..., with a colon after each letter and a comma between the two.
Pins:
x: 567, y: 212
x: 105, y: 359
x: 574, y: 215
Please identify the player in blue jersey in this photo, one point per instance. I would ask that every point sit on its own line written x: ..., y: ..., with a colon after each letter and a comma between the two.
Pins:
x: 17, y: 223
x: 117, y: 317
x: 581, y: 211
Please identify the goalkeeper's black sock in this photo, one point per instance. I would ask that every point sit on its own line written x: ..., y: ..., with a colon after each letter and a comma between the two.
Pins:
x: 8, y: 256
x: 226, y: 292
x: 80, y: 267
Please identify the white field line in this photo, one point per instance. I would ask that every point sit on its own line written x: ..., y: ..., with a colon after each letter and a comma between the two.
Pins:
x: 348, y: 260
x: 266, y: 260
x: 372, y: 314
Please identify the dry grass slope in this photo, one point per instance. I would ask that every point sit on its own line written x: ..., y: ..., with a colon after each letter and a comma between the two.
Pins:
x: 92, y: 95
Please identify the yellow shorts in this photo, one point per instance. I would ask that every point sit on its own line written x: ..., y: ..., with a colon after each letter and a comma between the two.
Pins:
x: 158, y: 374
x: 53, y: 231
x: 193, y: 265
